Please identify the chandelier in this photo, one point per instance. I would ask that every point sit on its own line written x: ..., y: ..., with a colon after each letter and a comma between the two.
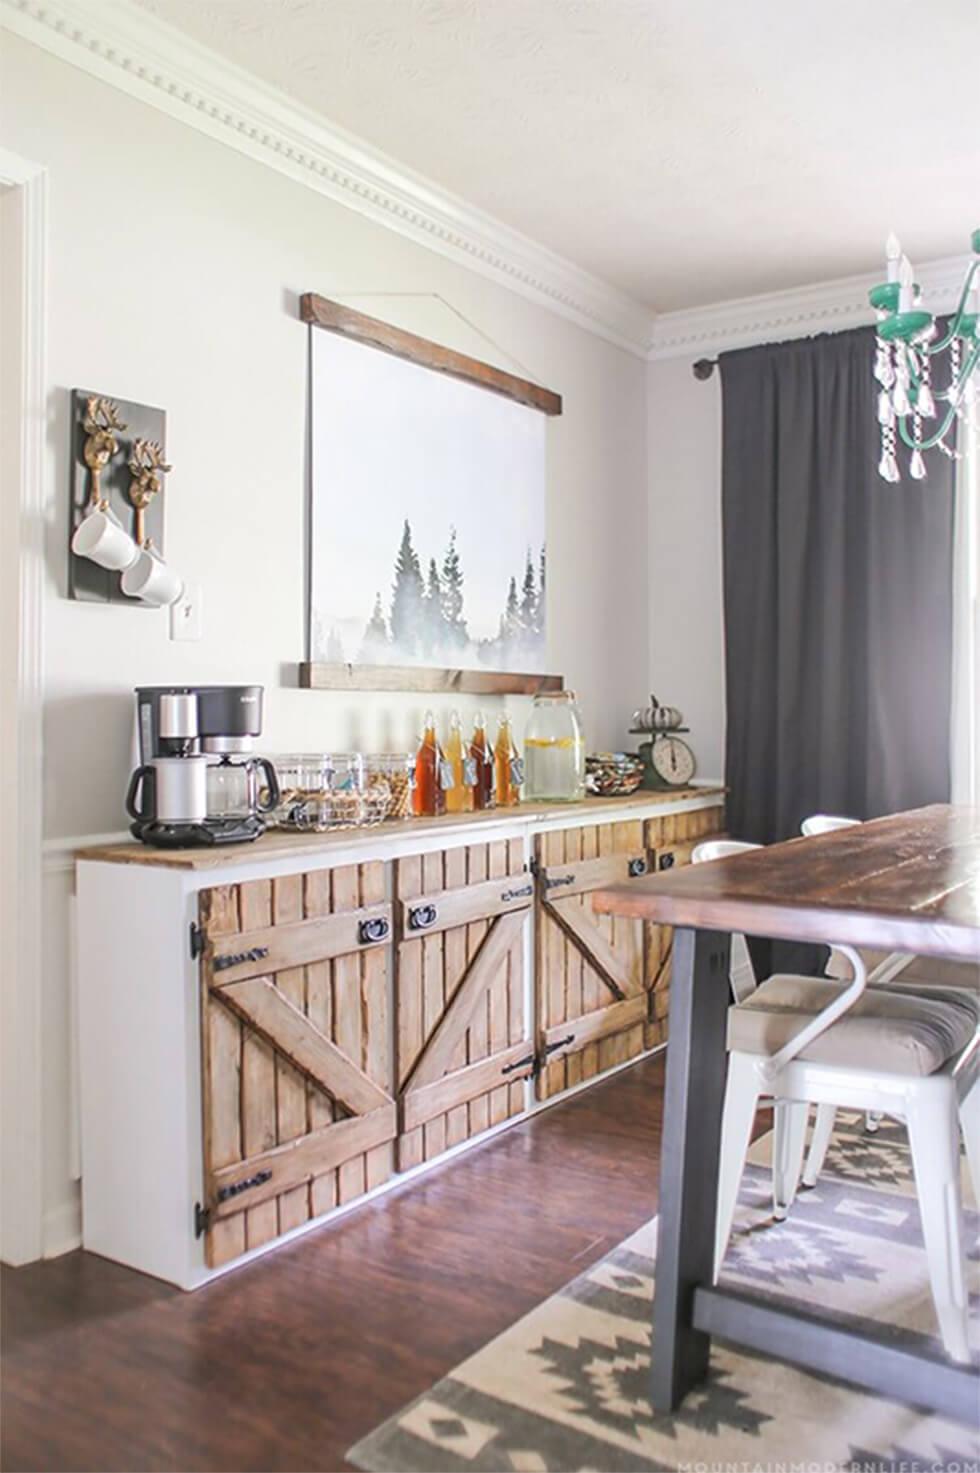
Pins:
x: 908, y: 342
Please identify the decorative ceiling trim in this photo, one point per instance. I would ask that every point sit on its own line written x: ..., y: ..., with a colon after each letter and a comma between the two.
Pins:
x: 830, y: 306
x: 150, y: 60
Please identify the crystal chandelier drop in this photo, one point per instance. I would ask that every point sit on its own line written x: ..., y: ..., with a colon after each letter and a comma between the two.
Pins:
x: 908, y: 342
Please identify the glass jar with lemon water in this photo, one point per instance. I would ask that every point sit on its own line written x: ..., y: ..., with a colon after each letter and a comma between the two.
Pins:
x: 554, y: 750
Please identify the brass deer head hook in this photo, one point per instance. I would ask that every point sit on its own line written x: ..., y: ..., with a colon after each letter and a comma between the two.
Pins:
x: 100, y: 424
x: 148, y: 466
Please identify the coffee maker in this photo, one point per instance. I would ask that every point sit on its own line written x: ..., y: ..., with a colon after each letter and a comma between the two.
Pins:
x: 195, y: 783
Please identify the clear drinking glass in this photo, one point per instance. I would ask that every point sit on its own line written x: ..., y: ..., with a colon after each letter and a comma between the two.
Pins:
x: 397, y: 770
x: 321, y: 790
x: 554, y: 750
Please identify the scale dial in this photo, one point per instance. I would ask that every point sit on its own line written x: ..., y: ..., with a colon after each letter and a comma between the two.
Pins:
x: 673, y: 761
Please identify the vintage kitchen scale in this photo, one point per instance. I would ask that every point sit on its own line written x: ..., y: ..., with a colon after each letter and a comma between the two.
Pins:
x: 668, y: 762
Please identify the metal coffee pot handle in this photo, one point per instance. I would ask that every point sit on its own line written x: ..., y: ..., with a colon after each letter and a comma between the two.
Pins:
x: 271, y: 783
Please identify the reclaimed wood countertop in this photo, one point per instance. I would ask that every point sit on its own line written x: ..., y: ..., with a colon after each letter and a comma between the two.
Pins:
x: 288, y: 843
x: 908, y: 882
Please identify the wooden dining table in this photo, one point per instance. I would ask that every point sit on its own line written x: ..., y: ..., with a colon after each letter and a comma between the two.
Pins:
x: 908, y: 883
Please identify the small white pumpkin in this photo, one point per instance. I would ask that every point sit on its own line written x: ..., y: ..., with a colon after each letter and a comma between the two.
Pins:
x: 664, y: 718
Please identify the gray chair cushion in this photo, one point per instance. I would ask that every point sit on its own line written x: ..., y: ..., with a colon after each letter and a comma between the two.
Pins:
x: 898, y: 1030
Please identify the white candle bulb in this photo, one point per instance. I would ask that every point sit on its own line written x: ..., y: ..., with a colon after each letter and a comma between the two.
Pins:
x: 905, y: 282
x: 893, y: 254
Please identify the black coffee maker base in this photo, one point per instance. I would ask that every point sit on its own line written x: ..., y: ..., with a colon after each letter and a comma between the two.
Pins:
x: 198, y: 835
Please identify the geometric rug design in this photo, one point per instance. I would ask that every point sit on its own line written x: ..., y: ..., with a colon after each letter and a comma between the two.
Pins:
x: 565, y: 1388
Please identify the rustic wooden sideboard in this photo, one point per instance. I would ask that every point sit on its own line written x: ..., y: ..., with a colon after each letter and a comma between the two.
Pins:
x: 271, y: 1032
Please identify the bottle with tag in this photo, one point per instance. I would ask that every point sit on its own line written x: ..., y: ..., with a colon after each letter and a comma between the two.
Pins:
x: 433, y: 774
x: 459, y: 798
x: 508, y: 767
x: 481, y: 755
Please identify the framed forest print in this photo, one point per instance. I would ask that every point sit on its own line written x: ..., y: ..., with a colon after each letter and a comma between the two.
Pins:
x: 427, y: 517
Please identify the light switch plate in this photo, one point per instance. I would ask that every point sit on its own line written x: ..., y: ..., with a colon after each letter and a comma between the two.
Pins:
x: 185, y: 614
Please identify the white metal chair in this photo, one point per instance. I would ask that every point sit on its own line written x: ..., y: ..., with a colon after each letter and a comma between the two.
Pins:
x: 808, y: 1040
x: 886, y: 969
x: 823, y: 1126
x: 789, y: 1119
x: 825, y: 823
x: 742, y: 973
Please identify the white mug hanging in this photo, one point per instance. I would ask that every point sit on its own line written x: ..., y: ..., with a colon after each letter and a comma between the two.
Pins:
x: 102, y: 538
x: 150, y: 579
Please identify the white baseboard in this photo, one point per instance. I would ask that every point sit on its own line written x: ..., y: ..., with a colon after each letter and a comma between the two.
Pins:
x: 62, y: 1227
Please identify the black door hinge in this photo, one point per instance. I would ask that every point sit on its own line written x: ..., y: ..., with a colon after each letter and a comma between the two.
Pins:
x: 196, y: 940
x: 235, y: 959
x: 202, y: 1219
x: 537, y: 1061
x: 225, y: 1194
x: 551, y: 1048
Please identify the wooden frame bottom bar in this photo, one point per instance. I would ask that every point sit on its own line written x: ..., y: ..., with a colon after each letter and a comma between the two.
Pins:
x: 890, y: 1370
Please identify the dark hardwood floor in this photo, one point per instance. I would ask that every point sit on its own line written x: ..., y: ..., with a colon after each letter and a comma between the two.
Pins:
x: 284, y: 1364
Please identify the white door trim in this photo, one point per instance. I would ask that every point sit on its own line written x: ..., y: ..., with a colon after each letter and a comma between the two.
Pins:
x: 20, y: 991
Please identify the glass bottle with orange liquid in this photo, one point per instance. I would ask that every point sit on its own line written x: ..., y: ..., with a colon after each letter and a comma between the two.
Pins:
x: 460, y: 797
x: 481, y: 755
x: 508, y: 768
x: 431, y: 773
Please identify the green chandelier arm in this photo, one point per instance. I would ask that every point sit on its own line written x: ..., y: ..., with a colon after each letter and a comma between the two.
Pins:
x: 938, y: 347
x: 969, y: 368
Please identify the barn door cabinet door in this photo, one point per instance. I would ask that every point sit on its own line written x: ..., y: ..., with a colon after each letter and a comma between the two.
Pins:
x: 592, y: 1003
x: 463, y: 1042
x: 671, y: 841
x: 299, y: 1109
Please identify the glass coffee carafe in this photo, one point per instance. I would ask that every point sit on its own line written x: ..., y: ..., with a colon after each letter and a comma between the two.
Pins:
x: 241, y: 789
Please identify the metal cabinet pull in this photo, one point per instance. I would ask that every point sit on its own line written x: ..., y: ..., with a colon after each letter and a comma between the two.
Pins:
x: 222, y: 963
x: 421, y: 917
x: 374, y: 929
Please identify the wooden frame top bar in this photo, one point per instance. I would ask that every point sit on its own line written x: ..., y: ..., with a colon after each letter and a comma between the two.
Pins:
x: 334, y: 317
x: 909, y: 882
x: 424, y: 679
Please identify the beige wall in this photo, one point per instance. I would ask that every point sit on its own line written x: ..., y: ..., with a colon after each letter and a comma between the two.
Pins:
x: 686, y: 630
x: 174, y: 268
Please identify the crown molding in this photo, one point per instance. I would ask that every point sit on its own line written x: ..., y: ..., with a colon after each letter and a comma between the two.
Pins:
x: 829, y: 306
x: 150, y: 60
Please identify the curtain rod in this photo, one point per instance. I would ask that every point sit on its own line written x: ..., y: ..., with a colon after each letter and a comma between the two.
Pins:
x: 704, y: 368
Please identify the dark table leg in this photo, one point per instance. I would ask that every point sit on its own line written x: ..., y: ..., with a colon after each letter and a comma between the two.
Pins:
x: 695, y: 1088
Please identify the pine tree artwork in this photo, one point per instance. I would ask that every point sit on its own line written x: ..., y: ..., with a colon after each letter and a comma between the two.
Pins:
x: 407, y: 598
x: 432, y: 616
x: 452, y: 595
x: 428, y: 615
x: 427, y: 518
x: 375, y: 643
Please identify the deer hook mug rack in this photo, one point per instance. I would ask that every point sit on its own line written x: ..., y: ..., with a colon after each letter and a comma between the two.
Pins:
x: 100, y: 536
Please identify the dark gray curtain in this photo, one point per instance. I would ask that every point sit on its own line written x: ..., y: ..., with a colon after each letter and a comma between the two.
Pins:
x: 837, y: 593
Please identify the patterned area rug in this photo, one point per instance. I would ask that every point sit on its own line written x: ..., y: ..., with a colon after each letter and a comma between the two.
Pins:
x: 565, y: 1388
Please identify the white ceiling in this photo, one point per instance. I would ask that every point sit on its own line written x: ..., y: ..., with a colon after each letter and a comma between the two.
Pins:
x: 686, y: 151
